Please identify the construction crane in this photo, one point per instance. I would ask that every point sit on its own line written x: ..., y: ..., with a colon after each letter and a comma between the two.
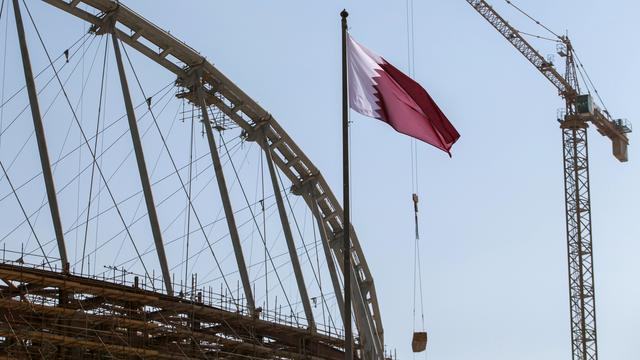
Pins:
x: 579, y: 111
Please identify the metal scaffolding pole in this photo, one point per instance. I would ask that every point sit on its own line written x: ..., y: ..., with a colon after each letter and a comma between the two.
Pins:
x: 226, y: 203
x: 41, y: 139
x: 142, y: 168
x: 286, y: 229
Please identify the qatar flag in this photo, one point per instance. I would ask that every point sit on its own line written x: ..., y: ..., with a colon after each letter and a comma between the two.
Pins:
x: 379, y: 90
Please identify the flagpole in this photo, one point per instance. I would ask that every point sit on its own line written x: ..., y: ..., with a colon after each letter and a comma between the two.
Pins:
x: 346, y: 250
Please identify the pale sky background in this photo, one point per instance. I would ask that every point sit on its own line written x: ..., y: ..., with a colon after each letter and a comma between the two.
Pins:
x: 492, y: 217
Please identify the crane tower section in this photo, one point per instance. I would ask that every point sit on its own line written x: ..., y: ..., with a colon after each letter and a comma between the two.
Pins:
x: 578, y: 113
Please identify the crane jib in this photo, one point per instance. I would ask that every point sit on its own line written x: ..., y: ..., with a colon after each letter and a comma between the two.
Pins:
x: 614, y: 129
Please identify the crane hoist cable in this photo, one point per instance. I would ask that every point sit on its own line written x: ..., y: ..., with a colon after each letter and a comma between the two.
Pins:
x: 419, y: 334
x: 419, y: 340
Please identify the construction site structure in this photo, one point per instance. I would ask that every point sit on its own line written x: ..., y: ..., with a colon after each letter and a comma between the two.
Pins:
x: 575, y: 118
x: 50, y: 311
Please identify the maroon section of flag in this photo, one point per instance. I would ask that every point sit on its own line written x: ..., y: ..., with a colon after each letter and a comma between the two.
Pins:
x: 378, y: 89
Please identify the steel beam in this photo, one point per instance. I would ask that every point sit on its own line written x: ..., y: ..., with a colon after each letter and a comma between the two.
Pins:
x: 322, y: 229
x: 286, y: 229
x: 226, y: 203
x: 41, y: 138
x: 142, y: 169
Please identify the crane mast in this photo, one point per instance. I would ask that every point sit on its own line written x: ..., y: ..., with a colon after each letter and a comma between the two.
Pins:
x: 578, y: 113
x: 582, y: 304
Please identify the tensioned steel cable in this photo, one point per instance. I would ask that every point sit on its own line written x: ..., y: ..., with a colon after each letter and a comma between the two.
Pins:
x: 226, y: 161
x: 113, y: 174
x: 95, y: 148
x: 532, y: 19
x: 4, y: 69
x: 234, y: 147
x: 150, y: 249
x: 153, y: 169
x: 173, y: 163
x: 415, y: 179
x: 538, y: 36
x: 79, y: 183
x: 72, y: 151
x: 315, y: 245
x: 252, y: 235
x: 43, y: 201
x: 6, y: 176
x: 61, y: 189
x: 184, y: 251
x: 289, y: 274
x: 588, y: 79
x: 17, y: 155
x: 73, y: 226
x: 240, y: 226
x: 191, y: 141
x: 195, y: 255
x: 246, y: 199
x: 275, y: 257
x: 304, y: 244
x: 73, y: 179
x: 575, y: 55
x: 24, y: 109
x: 83, y: 38
x: 133, y: 220
x: 582, y: 74
x: 220, y: 219
x: 264, y: 230
x: 86, y: 141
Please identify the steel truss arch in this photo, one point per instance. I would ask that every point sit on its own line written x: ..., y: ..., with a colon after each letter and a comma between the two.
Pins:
x: 220, y: 92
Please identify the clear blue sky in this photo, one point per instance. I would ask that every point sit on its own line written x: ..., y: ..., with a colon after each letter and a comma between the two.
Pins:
x: 492, y: 217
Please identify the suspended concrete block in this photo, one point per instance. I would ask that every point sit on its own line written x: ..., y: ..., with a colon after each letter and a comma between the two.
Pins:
x: 419, y: 342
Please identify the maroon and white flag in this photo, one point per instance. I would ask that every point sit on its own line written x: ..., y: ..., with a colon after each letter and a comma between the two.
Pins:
x: 379, y: 90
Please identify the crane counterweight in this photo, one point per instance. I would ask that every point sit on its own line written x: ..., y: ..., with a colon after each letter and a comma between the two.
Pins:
x: 614, y: 129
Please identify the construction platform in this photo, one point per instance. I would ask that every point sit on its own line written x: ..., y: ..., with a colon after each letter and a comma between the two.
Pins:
x: 49, y: 314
